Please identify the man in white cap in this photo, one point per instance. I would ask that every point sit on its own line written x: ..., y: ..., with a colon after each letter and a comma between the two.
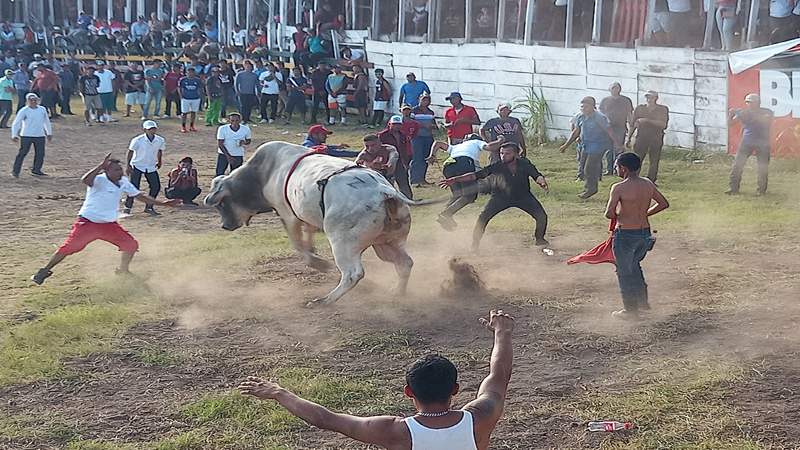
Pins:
x: 756, y: 122
x: 504, y: 125
x: 651, y: 120
x: 144, y: 158
x: 32, y: 124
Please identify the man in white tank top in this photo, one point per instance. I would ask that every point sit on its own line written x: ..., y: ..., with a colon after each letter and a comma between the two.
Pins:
x: 431, y: 382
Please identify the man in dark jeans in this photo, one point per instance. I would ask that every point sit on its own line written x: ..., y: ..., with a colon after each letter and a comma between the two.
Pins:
x: 144, y: 158
x: 629, y: 204
x: 463, y: 160
x: 246, y: 85
x: 318, y: 79
x: 756, y: 122
x: 513, y: 190
x: 32, y: 124
x: 651, y: 120
x: 227, y: 76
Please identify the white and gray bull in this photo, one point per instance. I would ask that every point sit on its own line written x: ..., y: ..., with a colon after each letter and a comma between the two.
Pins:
x: 360, y: 209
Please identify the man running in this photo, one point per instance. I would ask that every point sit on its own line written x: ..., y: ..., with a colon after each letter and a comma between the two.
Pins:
x: 97, y: 218
x: 512, y: 190
x: 431, y: 382
x: 629, y: 205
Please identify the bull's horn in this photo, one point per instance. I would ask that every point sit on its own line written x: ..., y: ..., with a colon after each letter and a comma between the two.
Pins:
x: 214, y: 198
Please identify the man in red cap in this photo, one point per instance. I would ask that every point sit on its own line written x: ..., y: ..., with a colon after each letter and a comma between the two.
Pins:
x: 318, y: 134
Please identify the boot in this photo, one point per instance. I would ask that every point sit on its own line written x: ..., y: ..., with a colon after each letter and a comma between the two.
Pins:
x: 641, y: 298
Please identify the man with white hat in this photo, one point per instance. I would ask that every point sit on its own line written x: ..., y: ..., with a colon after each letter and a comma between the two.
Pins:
x: 504, y: 125
x: 144, y: 158
x: 32, y: 124
x: 651, y: 120
x: 756, y: 122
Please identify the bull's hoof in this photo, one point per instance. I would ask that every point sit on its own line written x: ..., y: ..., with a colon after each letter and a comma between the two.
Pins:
x: 319, y: 264
x: 398, y: 291
x: 318, y: 303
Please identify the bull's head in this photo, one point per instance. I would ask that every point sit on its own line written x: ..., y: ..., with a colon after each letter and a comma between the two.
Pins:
x: 235, y: 204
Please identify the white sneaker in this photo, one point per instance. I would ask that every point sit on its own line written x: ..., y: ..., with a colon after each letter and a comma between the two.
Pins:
x: 111, y: 119
x: 165, y: 116
x: 92, y: 116
x: 344, y: 121
x: 262, y: 121
x: 143, y: 118
x: 271, y: 121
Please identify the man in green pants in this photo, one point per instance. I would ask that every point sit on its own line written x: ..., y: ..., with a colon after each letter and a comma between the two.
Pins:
x: 214, y: 95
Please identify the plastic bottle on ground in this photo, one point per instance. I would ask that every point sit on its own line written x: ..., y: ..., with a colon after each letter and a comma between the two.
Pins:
x: 609, y: 426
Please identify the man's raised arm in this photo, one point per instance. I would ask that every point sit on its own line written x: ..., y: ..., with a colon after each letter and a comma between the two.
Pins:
x: 88, y: 178
x: 488, y: 406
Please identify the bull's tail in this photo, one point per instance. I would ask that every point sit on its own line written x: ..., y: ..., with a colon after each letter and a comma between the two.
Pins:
x: 433, y: 201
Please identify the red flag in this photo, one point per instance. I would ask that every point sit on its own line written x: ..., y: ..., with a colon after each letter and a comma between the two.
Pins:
x: 600, y: 254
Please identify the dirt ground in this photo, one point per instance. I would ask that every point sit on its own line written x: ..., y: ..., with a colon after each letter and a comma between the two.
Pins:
x: 565, y: 342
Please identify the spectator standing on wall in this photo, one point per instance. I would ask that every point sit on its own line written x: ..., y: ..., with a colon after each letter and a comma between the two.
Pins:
x: 651, y: 120
x: 756, y: 122
x: 459, y: 119
x: 411, y: 90
x: 618, y: 109
x: 507, y: 126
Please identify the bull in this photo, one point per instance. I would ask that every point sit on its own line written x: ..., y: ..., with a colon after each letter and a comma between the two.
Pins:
x: 356, y: 208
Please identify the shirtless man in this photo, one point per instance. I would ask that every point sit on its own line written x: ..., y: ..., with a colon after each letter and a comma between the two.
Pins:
x: 378, y: 156
x: 431, y: 382
x: 629, y: 204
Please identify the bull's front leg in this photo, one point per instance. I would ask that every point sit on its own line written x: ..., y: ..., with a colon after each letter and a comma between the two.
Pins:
x: 295, y: 228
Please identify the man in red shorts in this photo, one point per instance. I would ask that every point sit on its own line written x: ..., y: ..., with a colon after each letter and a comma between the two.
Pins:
x: 97, y: 218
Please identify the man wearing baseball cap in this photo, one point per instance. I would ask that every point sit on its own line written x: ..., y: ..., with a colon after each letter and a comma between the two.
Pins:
x: 459, y: 119
x: 32, y: 124
x: 756, y: 122
x: 504, y: 125
x: 144, y: 158
x: 7, y: 91
x: 412, y: 89
x: 318, y: 134
x: 651, y: 120
x: 396, y: 136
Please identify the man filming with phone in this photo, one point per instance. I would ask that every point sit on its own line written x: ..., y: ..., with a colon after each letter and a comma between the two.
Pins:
x: 183, y: 182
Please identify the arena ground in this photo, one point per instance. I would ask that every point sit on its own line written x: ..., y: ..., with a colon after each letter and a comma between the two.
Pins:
x: 93, y: 361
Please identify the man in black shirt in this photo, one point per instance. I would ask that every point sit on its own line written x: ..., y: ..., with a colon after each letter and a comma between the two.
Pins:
x: 227, y: 76
x: 511, y: 189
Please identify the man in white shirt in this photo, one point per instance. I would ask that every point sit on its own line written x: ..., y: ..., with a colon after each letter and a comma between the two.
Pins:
x: 231, y: 139
x: 463, y: 159
x: 32, y: 124
x: 106, y: 91
x: 144, y: 158
x: 97, y: 218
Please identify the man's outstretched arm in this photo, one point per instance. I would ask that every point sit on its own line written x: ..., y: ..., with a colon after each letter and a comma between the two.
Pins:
x: 488, y: 406
x: 386, y: 431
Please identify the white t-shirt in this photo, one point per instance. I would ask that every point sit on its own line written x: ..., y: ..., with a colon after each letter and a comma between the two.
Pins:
x: 102, y: 199
x: 470, y: 148
x: 270, y: 87
x: 231, y: 138
x: 145, y: 152
x: 239, y: 37
x: 105, y: 86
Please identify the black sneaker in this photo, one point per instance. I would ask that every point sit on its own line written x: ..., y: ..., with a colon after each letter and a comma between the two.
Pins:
x: 731, y: 192
x: 38, y: 173
x: 152, y: 211
x: 40, y: 276
x: 190, y: 203
x: 542, y: 242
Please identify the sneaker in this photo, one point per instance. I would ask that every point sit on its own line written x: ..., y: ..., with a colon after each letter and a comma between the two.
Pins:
x: 88, y: 124
x: 760, y: 192
x: 40, y: 276
x: 209, y: 124
x: 447, y: 223
x: 262, y: 121
x: 585, y: 194
x: 271, y: 121
x: 624, y: 314
x: 111, y: 119
x: 165, y: 116
x: 143, y: 118
x: 731, y: 192
x: 542, y: 242
x: 183, y: 129
x: 192, y: 128
x: 150, y: 210
x: 94, y: 116
x: 124, y: 115
x: 38, y: 173
x: 126, y: 211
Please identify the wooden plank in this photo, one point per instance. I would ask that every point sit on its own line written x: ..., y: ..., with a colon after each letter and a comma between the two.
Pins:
x: 704, y: 117
x: 711, y: 68
x: 558, y: 53
x: 700, y: 55
x: 678, y: 139
x: 573, y: 96
x: 664, y: 54
x: 429, y: 74
x: 666, y: 85
x: 709, y: 85
x: 566, y: 109
x: 681, y: 104
x: 512, y: 78
x: 601, y: 82
x: 378, y: 47
x: 475, y: 89
x: 444, y: 62
x: 405, y: 48
x: 611, y: 54
x: 560, y: 67
x: 471, y: 50
x: 432, y: 49
x: 666, y: 70
x: 560, y: 81
x: 612, y: 69
x: 504, y: 49
x: 711, y: 135
x: 713, y: 102
x: 683, y: 123
x: 406, y: 60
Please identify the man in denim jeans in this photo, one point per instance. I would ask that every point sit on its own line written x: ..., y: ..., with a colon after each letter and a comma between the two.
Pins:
x: 629, y: 204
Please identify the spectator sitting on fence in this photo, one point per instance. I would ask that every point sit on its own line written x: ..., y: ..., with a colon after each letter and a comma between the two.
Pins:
x: 183, y: 182
x: 354, y: 56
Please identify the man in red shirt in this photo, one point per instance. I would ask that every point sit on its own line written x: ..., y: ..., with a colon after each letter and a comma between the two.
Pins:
x: 46, y: 83
x: 172, y: 90
x: 393, y: 135
x: 459, y: 119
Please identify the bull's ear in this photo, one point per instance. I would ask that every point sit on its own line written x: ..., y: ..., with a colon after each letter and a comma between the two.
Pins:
x: 215, y: 197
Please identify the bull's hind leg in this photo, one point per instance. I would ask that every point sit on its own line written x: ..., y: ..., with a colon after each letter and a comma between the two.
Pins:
x: 348, y: 260
x: 403, y: 263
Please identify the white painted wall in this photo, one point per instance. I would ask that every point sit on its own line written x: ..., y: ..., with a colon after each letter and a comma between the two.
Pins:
x: 692, y: 83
